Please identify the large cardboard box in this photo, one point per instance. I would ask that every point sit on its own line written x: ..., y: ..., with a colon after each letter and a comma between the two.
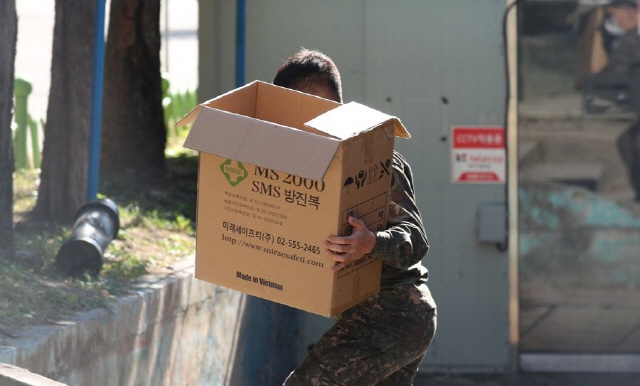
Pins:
x: 279, y: 172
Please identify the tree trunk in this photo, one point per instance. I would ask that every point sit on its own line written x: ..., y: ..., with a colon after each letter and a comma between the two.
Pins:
x: 8, y: 34
x: 133, y: 129
x: 63, y: 184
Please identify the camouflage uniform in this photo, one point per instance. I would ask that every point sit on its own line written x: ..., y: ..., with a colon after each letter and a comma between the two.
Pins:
x: 382, y: 340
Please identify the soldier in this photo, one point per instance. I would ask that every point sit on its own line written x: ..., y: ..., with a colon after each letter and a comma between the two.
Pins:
x: 382, y: 340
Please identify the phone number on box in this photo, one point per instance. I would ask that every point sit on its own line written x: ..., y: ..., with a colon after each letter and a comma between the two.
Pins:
x: 298, y: 245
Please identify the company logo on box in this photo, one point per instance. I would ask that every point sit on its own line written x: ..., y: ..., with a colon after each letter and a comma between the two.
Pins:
x: 234, y: 171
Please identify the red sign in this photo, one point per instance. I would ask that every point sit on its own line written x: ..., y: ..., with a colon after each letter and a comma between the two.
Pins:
x: 478, y: 137
x: 478, y: 155
x: 479, y: 176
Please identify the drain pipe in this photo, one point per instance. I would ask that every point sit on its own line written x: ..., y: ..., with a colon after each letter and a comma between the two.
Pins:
x: 96, y: 224
x: 96, y: 101
x: 241, y: 30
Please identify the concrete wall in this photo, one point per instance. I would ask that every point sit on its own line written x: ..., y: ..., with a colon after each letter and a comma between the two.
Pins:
x: 172, y: 330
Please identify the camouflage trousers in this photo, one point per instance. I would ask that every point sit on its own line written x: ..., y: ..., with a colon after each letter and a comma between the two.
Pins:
x: 380, y: 341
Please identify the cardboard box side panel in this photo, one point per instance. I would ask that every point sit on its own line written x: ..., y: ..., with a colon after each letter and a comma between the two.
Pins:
x: 334, y: 176
x: 247, y: 285
x: 360, y: 284
x: 367, y: 168
x: 229, y: 101
x: 198, y: 197
x: 189, y: 118
x: 399, y: 130
x: 355, y: 283
x: 262, y: 234
x: 240, y: 101
x: 205, y: 222
x: 218, y: 132
x: 291, y: 108
x: 242, y: 273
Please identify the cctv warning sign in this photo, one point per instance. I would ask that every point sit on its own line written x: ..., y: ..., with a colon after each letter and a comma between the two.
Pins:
x: 478, y: 155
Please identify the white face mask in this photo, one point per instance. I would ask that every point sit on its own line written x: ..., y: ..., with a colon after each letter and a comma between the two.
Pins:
x: 611, y: 26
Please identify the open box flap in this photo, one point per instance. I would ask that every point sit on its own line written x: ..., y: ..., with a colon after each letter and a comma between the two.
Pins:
x: 261, y: 143
x: 241, y: 101
x: 353, y: 118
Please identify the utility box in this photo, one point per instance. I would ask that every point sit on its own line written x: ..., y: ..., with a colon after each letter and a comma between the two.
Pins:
x: 279, y: 172
x: 492, y: 223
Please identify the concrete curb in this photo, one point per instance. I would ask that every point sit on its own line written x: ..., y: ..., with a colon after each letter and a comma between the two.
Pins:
x: 16, y: 376
x: 171, y: 330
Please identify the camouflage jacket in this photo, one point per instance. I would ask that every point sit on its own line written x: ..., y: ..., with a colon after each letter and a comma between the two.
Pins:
x: 403, y: 244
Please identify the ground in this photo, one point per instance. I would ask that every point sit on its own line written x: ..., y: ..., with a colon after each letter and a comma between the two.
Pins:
x: 157, y: 230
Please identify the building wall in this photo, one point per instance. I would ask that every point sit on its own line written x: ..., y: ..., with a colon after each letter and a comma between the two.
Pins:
x: 434, y: 64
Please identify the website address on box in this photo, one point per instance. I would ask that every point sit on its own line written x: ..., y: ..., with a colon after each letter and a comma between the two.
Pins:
x: 271, y: 251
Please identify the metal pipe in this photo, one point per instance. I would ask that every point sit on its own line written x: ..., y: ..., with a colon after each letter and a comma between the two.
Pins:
x: 241, y: 30
x: 96, y: 224
x: 96, y: 102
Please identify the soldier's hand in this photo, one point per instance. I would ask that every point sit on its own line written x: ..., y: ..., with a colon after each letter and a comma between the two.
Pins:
x: 348, y: 248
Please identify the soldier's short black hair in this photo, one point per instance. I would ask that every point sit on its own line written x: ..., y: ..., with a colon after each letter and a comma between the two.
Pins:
x: 310, y: 71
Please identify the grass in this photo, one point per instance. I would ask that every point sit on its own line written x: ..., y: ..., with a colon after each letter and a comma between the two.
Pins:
x: 156, y: 231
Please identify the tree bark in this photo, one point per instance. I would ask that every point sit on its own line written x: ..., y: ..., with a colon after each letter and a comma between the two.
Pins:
x: 133, y: 129
x: 8, y: 35
x: 63, y: 183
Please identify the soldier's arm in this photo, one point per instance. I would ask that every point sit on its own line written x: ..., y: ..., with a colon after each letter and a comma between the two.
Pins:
x: 404, y: 243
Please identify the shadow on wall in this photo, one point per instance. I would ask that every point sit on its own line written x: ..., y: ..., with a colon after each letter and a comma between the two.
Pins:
x: 266, y: 346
